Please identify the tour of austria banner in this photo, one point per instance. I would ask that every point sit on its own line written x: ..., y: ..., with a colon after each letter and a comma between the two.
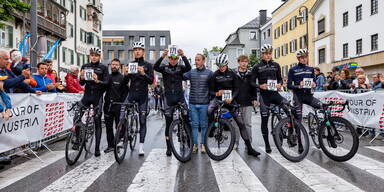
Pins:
x: 365, y: 109
x: 36, y: 117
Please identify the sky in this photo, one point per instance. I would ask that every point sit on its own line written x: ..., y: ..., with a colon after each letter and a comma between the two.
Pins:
x: 194, y: 24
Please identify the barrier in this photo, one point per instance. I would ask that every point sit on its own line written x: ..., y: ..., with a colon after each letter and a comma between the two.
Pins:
x: 36, y: 118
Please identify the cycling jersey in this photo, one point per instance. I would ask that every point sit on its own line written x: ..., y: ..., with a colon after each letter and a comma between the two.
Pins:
x: 297, y: 74
x: 265, y: 71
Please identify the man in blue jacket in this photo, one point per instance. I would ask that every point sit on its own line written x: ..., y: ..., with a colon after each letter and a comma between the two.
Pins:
x: 44, y: 83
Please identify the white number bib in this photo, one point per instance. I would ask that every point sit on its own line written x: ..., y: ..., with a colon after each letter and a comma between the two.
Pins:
x: 172, y: 50
x: 272, y: 85
x: 88, y: 74
x: 307, y: 83
x: 132, y: 68
x: 227, y: 95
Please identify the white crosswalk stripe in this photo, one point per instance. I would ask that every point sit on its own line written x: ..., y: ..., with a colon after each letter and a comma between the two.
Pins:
x: 14, y: 174
x: 233, y: 174
x: 158, y: 173
x: 80, y: 178
x: 314, y: 176
x: 376, y: 148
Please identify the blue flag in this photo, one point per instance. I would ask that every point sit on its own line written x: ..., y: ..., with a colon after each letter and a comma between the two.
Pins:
x: 23, y: 47
x: 52, y: 50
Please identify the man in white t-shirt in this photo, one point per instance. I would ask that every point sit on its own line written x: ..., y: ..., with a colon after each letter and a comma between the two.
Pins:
x: 359, y: 71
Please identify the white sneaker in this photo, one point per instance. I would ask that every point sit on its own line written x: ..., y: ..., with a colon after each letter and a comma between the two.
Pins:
x: 141, y: 149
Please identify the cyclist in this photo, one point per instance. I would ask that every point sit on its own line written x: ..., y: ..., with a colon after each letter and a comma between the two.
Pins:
x: 301, y: 80
x: 94, y: 90
x: 138, y: 89
x: 116, y: 92
x: 267, y: 77
x: 225, y: 79
x: 158, y: 94
x: 173, y: 88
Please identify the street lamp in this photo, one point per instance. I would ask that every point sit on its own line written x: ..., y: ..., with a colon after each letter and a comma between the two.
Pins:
x: 301, y: 17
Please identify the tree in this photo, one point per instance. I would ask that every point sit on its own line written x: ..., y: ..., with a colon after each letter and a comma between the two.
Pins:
x: 253, y: 60
x: 7, y: 7
x: 214, y: 49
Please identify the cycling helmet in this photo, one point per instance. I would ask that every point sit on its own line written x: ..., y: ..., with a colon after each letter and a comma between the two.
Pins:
x: 266, y: 48
x: 95, y: 50
x: 302, y: 53
x: 222, y: 60
x: 139, y: 45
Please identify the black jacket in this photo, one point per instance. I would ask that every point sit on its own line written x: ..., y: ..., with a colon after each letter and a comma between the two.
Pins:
x: 139, y: 83
x: 117, y: 88
x: 158, y: 90
x: 265, y: 71
x: 226, y: 80
x: 172, y: 75
x: 247, y: 93
x: 102, y: 75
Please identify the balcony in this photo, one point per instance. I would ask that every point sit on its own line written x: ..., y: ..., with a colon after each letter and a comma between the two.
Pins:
x: 51, y: 17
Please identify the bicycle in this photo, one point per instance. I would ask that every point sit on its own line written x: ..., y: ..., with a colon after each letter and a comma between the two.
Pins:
x: 127, y: 129
x: 334, y: 131
x: 277, y: 115
x: 180, y: 135
x: 81, y: 134
x: 220, y: 135
x: 289, y: 133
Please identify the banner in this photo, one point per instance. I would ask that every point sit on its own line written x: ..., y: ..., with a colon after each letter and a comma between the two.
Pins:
x: 36, y: 117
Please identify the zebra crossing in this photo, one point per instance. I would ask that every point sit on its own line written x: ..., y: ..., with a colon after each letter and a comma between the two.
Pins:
x: 160, y: 173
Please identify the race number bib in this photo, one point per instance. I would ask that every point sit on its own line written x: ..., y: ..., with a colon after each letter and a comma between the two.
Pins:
x: 307, y: 83
x: 132, y: 68
x: 88, y: 74
x: 226, y: 95
x: 272, y: 85
x: 172, y: 50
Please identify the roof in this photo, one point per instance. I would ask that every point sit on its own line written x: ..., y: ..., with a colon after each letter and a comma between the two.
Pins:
x: 316, y: 6
x: 255, y: 23
x: 236, y: 41
x: 280, y: 6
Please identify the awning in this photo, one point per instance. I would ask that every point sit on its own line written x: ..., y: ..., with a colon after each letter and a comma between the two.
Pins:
x: 352, y: 65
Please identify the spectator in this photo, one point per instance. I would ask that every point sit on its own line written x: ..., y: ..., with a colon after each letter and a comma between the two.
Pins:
x: 44, y: 83
x: 376, y: 83
x: 15, y: 60
x: 6, y: 100
x: 50, y: 74
x: 346, y: 78
x: 73, y: 84
x: 59, y: 84
x: 14, y: 81
x: 285, y: 84
x: 359, y: 71
x: 320, y: 80
x: 362, y: 82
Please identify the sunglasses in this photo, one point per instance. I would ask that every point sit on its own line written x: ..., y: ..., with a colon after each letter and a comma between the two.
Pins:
x: 173, y: 57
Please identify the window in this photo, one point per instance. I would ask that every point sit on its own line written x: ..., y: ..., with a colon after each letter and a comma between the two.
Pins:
x: 71, y: 31
x: 304, y: 16
x: 321, y: 55
x: 111, y: 54
x: 152, y: 55
x: 359, y: 46
x: 253, y: 35
x: 321, y: 26
x: 121, y: 55
x: 240, y: 52
x: 293, y: 45
x: 107, y: 43
x: 83, y: 36
x: 286, y: 49
x: 269, y: 32
x: 142, y: 39
x: 345, y: 19
x: 130, y: 55
x: 162, y: 41
x: 303, y: 42
x: 64, y: 54
x: 374, y: 42
x: 6, y: 36
x: 62, y: 2
x: 118, y: 42
x: 72, y: 6
x: 264, y: 35
x: 277, y: 52
x: 80, y: 59
x: 72, y: 57
x: 255, y: 52
x: 90, y: 38
x: 131, y: 40
x: 293, y: 23
x: 359, y: 12
x: 345, y: 50
x: 83, y: 13
x: 152, y: 41
x: 374, y: 6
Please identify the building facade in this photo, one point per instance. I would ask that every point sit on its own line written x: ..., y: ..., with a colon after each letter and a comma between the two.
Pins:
x: 340, y: 41
x: 246, y: 40
x: 118, y: 44
x: 289, y: 27
x: 266, y: 33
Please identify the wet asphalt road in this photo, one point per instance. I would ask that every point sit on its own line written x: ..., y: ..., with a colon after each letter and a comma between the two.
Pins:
x: 155, y: 172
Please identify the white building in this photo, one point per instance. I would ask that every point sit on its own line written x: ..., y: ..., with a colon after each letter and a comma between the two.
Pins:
x: 348, y: 32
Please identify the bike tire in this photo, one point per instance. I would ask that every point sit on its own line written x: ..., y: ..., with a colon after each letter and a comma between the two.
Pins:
x: 133, y: 132
x: 72, y: 160
x: 273, y: 120
x: 276, y: 137
x: 313, y: 127
x: 355, y: 142
x: 222, y: 123
x: 89, y: 134
x: 121, y: 129
x: 186, y: 136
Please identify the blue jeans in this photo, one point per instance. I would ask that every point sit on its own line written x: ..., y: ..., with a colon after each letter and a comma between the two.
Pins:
x: 199, y: 117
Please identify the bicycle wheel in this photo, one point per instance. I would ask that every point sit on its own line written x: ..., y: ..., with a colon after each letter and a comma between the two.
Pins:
x: 121, y: 141
x: 89, y: 134
x: 275, y: 120
x: 339, y: 140
x: 313, y: 127
x: 74, y: 146
x: 219, y: 140
x: 181, y: 140
x: 292, y: 143
x: 133, y: 132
